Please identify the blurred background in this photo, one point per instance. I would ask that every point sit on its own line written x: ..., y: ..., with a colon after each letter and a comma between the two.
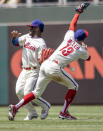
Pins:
x: 56, y: 15
x: 7, y: 3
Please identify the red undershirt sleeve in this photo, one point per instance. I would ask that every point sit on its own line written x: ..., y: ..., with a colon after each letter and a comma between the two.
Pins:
x: 74, y: 22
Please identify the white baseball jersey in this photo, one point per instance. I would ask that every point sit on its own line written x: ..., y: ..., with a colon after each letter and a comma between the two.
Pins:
x: 69, y: 50
x: 32, y: 48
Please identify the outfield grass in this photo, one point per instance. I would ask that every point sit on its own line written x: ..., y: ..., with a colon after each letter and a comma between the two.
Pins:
x: 89, y: 118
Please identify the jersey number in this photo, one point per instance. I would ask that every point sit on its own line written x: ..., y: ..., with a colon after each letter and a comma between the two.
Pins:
x: 67, y: 50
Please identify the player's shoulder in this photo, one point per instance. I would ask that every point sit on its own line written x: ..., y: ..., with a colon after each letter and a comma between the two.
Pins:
x: 41, y: 41
x: 69, y: 34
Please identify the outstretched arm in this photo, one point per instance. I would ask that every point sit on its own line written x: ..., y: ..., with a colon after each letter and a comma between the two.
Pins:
x: 79, y: 9
x: 74, y: 22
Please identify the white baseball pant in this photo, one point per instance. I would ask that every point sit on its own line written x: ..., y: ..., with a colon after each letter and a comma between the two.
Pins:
x: 25, y: 84
x: 52, y: 71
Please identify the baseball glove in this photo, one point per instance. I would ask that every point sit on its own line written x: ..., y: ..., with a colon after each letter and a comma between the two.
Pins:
x: 82, y: 7
x: 46, y: 53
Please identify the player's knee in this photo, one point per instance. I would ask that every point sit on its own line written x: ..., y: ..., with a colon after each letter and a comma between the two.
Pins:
x: 36, y: 94
x: 26, y: 92
x: 19, y: 94
x: 76, y: 87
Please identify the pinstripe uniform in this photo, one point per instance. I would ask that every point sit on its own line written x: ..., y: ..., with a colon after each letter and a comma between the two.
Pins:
x: 32, y: 48
x: 52, y: 69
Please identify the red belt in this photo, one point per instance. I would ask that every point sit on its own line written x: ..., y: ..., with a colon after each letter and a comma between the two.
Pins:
x: 55, y: 61
x: 29, y: 68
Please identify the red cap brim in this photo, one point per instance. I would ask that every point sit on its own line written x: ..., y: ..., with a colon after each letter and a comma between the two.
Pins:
x: 86, y: 32
x: 29, y: 25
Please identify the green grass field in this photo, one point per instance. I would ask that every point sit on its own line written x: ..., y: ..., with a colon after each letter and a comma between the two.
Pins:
x: 89, y: 118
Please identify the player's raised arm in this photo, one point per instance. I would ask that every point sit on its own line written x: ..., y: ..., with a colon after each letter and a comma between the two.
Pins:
x: 78, y: 10
x: 15, y: 34
x: 74, y: 22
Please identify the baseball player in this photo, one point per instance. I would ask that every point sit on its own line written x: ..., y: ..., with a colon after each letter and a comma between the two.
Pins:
x: 72, y: 48
x: 33, y: 45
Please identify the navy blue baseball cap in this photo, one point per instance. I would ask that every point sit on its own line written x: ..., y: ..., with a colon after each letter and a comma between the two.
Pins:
x: 37, y: 23
x: 81, y: 34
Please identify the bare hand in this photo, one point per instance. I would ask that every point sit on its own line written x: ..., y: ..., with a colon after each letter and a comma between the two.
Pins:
x: 15, y: 34
x: 84, y: 45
